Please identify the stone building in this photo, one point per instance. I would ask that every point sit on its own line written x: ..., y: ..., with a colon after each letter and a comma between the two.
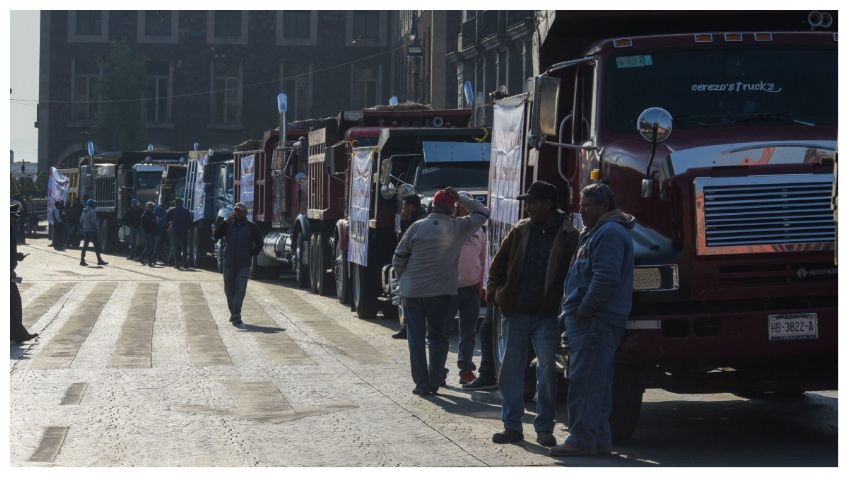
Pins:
x: 212, y: 76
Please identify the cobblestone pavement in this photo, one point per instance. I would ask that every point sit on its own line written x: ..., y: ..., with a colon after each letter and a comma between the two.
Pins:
x: 139, y: 367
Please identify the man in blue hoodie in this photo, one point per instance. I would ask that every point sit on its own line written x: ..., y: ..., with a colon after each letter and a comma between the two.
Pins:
x: 595, y: 306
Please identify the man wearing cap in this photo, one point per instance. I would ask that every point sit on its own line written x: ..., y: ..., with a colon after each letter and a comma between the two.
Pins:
x: 180, y: 219
x: 17, y: 332
x: 595, y: 307
x: 89, y: 231
x: 525, y: 282
x: 426, y: 261
x: 148, y: 226
x: 244, y: 241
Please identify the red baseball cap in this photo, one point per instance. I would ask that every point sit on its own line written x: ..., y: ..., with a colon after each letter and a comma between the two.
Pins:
x: 442, y: 199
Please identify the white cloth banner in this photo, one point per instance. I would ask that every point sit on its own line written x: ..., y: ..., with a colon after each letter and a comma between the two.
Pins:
x: 199, y: 189
x: 57, y: 189
x: 360, y: 199
x: 246, y: 183
x: 505, y: 173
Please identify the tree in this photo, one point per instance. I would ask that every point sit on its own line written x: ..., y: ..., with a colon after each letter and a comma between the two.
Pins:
x: 14, y: 186
x: 118, y: 122
x: 41, y: 184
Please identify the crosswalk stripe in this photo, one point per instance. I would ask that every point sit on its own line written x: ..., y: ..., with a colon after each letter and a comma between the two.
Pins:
x: 204, y: 342
x: 51, y: 442
x: 342, y: 338
x: 64, y: 346
x: 42, y: 303
x: 73, y: 395
x: 257, y: 397
x: 277, y: 345
x: 135, y: 345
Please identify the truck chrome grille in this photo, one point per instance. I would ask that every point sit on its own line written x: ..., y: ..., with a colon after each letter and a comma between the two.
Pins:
x: 770, y: 213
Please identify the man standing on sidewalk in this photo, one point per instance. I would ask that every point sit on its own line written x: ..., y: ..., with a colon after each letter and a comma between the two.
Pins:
x: 596, y: 305
x: 132, y: 219
x: 426, y: 261
x: 525, y: 281
x: 472, y: 259
x: 411, y: 212
x: 59, y: 226
x: 148, y: 226
x: 89, y: 230
x: 17, y: 332
x: 243, y: 243
x: 73, y: 223
x: 180, y: 220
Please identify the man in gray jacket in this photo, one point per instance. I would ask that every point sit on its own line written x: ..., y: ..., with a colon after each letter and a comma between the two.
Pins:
x: 89, y: 230
x: 426, y: 262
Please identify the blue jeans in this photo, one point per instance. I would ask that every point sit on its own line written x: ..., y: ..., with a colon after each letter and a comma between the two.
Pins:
x: 235, y: 287
x: 467, y: 302
x: 427, y: 317
x: 592, y: 345
x: 93, y: 238
x: 518, y: 330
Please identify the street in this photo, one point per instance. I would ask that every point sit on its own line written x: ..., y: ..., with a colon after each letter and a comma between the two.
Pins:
x: 138, y: 366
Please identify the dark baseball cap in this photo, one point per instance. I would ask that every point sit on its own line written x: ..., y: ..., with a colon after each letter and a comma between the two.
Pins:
x: 540, y: 190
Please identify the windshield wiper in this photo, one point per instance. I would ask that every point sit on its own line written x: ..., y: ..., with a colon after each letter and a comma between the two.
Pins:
x: 767, y: 117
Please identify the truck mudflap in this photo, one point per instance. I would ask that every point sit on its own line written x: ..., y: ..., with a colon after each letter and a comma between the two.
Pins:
x: 733, y: 339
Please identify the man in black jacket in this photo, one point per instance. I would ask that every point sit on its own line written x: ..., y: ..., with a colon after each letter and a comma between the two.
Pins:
x: 180, y: 220
x: 17, y: 332
x: 244, y: 241
x: 132, y: 219
x: 148, y: 226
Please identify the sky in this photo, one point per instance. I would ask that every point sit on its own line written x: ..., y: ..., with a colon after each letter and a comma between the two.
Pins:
x: 24, y: 30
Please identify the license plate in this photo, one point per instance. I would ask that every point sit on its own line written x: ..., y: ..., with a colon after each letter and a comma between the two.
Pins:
x: 799, y: 326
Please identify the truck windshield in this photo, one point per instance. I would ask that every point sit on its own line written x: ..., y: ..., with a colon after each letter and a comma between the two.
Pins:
x: 721, y: 87
x: 148, y: 180
x: 460, y: 175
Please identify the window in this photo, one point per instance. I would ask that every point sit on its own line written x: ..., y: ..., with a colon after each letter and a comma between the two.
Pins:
x: 88, y: 26
x: 297, y: 84
x: 157, y: 26
x: 226, y: 93
x: 227, y: 27
x: 158, y: 104
x: 365, y: 89
x: 366, y: 28
x: 585, y: 100
x: 83, y: 81
x: 89, y: 23
x: 297, y: 27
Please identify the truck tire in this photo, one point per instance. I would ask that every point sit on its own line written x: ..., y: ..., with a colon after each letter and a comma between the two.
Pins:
x: 313, y: 263
x: 108, y: 238
x: 324, y: 283
x: 627, y: 390
x: 364, y: 296
x: 340, y: 273
x: 301, y: 273
x: 498, y: 344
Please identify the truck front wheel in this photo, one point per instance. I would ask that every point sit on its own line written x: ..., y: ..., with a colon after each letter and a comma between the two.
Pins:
x: 301, y: 273
x: 340, y: 273
x: 627, y: 390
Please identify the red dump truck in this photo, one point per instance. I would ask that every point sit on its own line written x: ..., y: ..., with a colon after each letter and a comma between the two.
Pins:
x: 323, y: 266
x: 718, y: 134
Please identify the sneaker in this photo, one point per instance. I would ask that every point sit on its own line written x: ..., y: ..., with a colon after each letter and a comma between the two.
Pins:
x: 101, y: 262
x: 481, y: 384
x: 26, y: 338
x: 546, y: 439
x: 566, y: 450
x: 83, y: 264
x: 466, y: 377
x: 507, y: 436
x: 400, y: 335
x: 423, y: 391
x: 237, y: 323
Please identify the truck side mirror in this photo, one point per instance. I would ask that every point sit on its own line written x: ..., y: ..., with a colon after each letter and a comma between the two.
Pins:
x: 544, y: 110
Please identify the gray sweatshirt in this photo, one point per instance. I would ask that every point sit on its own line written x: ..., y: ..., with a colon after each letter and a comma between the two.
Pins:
x: 89, y: 220
x: 427, y: 257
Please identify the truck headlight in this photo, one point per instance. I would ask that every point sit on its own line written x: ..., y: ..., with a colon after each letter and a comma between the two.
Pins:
x: 656, y: 278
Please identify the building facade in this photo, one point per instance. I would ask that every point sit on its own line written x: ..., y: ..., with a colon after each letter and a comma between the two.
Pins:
x: 212, y: 76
